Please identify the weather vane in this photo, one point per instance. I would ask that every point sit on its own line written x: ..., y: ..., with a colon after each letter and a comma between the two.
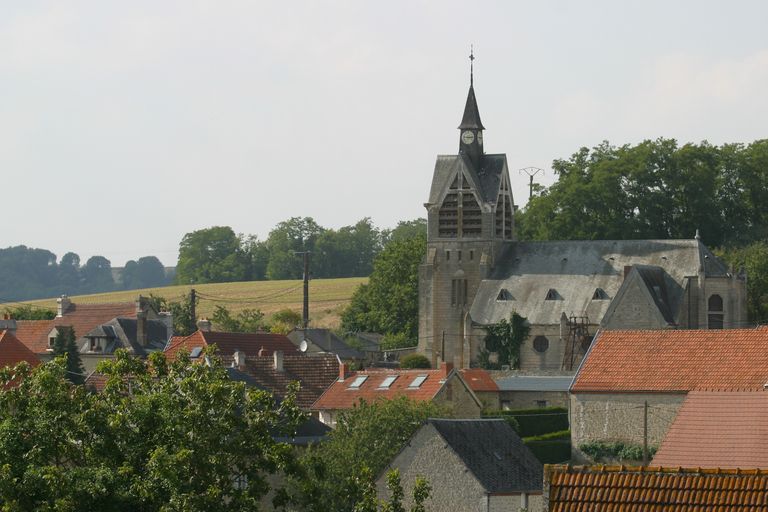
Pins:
x: 471, y: 65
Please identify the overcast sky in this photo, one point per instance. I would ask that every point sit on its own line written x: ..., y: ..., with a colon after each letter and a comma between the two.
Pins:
x: 124, y: 125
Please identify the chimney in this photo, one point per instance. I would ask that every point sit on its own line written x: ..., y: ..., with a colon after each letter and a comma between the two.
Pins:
x: 627, y: 269
x: 167, y: 318
x: 141, y: 328
x: 204, y: 325
x: 63, y: 303
x: 446, y: 368
x: 239, y: 359
x: 278, y: 357
x: 140, y: 302
x: 343, y: 371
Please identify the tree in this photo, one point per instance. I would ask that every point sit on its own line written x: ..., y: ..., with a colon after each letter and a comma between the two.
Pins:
x: 415, y: 361
x: 348, y: 252
x: 65, y: 345
x: 247, y: 320
x: 148, y: 272
x: 284, y: 321
x: 160, y: 437
x: 389, y: 302
x: 404, y: 230
x: 294, y: 234
x: 212, y: 255
x: 504, y: 339
x: 369, y: 503
x: 97, y: 275
x: 28, y: 312
x: 754, y: 260
x: 184, y: 322
x: 366, y: 438
x: 70, y: 280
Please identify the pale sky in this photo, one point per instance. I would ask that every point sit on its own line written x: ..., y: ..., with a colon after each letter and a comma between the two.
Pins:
x: 124, y: 125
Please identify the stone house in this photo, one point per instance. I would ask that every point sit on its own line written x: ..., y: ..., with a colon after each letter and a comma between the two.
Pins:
x: 475, y: 273
x: 522, y: 390
x: 624, y: 370
x: 471, y: 465
x: 444, y: 386
x: 315, y: 341
x: 653, y: 488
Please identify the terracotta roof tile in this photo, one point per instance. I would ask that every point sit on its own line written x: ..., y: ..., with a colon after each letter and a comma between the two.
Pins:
x: 342, y: 395
x: 229, y: 342
x: 479, y: 380
x: 723, y: 429
x: 13, y: 351
x: 655, y: 489
x: 675, y: 361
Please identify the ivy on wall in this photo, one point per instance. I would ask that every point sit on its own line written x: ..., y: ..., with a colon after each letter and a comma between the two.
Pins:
x: 504, y: 339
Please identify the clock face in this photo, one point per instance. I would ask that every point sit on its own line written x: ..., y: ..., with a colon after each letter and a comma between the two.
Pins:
x: 467, y: 137
x: 479, y: 137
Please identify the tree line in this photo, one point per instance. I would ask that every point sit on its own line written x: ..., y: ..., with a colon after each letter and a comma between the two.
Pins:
x: 217, y: 254
x: 27, y: 273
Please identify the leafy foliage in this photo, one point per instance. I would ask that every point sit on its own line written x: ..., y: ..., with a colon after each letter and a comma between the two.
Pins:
x: 211, y: 255
x: 754, y: 259
x: 536, y: 421
x: 148, y: 272
x: 366, y: 438
x: 618, y: 450
x: 389, y: 302
x: 284, y: 321
x: 415, y: 361
x: 27, y: 312
x: 247, y: 320
x: 368, y: 502
x: 170, y: 437
x: 184, y: 322
x: 65, y: 345
x: 505, y: 339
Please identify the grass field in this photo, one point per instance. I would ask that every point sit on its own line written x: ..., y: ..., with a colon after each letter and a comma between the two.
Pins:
x: 327, y: 297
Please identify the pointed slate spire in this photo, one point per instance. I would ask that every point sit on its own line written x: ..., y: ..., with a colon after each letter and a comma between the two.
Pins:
x: 471, y: 119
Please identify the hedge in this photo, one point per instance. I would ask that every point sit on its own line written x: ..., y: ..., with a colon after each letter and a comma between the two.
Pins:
x: 620, y: 451
x: 534, y: 422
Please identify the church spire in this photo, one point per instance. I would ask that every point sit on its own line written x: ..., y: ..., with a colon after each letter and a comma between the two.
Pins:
x: 471, y: 119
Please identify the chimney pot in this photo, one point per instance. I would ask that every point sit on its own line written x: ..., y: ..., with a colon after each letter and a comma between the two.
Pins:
x: 239, y: 359
x: 278, y: 358
x: 343, y: 371
x: 204, y: 325
x: 63, y: 303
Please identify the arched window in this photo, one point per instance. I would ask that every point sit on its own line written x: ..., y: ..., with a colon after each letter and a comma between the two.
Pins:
x: 715, y: 312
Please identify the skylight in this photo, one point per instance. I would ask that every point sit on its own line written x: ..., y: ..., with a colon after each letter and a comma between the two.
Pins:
x: 358, y: 381
x: 196, y: 352
x: 418, y: 381
x: 387, y: 382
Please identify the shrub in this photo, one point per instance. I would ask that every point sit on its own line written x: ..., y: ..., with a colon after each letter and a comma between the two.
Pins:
x: 414, y: 361
x: 615, y: 450
x: 534, y: 422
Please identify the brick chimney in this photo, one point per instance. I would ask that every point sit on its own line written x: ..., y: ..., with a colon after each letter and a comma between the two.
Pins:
x: 63, y: 303
x: 278, y: 358
x: 446, y: 368
x: 627, y: 270
x: 141, y: 328
x: 239, y: 359
x: 204, y: 325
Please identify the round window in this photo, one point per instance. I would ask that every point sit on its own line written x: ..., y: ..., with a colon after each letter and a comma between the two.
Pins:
x: 540, y: 344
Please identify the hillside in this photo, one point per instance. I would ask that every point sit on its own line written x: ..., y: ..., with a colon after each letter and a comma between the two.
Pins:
x: 327, y: 297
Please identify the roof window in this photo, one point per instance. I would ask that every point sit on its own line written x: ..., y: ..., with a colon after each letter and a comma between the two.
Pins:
x: 417, y: 382
x: 358, y: 382
x: 552, y: 295
x: 504, y: 294
x: 196, y: 352
x: 387, y: 382
x: 599, y: 294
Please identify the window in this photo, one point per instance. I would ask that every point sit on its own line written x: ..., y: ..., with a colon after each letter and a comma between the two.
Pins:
x: 471, y: 255
x: 417, y: 382
x: 51, y: 341
x: 358, y: 382
x: 540, y: 344
x: 196, y: 352
x: 552, y: 294
x: 599, y: 294
x: 387, y: 382
x: 447, y: 255
x: 459, y: 255
x: 95, y: 345
x: 458, y: 292
x: 715, y: 315
x: 504, y: 294
x: 541, y: 403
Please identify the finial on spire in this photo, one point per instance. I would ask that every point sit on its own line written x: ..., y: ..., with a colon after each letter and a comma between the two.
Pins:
x: 697, y: 236
x: 471, y: 65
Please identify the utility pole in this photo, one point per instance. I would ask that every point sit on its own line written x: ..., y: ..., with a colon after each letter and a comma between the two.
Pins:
x: 645, y: 433
x: 305, y: 310
x: 531, y: 172
x: 192, y: 302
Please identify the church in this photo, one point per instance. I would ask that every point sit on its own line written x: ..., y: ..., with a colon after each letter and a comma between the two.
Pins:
x: 476, y: 273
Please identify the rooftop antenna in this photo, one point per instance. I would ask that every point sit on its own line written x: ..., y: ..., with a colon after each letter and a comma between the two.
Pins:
x: 471, y: 65
x: 531, y: 172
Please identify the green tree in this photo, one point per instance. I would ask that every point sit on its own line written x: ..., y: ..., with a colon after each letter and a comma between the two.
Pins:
x: 212, y: 255
x: 414, y: 361
x: 366, y: 438
x: 369, y: 502
x: 28, y: 312
x: 160, y: 437
x: 294, y: 234
x: 184, y: 322
x: 505, y: 339
x: 148, y: 272
x: 348, y: 252
x: 247, y: 320
x: 754, y: 260
x: 97, y: 275
x: 389, y: 302
x: 65, y: 345
x: 404, y: 230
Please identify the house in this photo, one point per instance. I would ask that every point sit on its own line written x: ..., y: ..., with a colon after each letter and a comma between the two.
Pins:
x: 444, y: 386
x: 471, y: 465
x: 625, y: 370
x: 85, y: 319
x: 475, y: 273
x: 653, y: 489
x: 725, y: 429
x: 252, y: 344
x: 13, y: 351
x: 522, y: 390
x: 483, y: 386
x: 274, y: 372
x: 138, y: 336
x: 325, y: 340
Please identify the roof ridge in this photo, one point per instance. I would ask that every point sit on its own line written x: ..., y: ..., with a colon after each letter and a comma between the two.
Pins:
x: 604, y: 468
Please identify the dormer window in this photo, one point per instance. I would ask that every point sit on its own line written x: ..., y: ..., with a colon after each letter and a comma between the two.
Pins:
x: 552, y: 295
x: 95, y: 345
x: 51, y: 342
x: 504, y: 294
x: 599, y: 294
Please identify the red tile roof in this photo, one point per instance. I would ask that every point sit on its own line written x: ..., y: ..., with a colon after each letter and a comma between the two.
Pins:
x: 655, y: 489
x: 718, y: 429
x: 341, y: 396
x: 479, y: 380
x: 315, y: 373
x: 675, y: 361
x: 81, y: 317
x: 13, y: 351
x: 228, y: 342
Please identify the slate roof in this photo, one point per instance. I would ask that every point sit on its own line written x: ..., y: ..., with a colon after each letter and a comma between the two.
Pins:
x: 655, y: 489
x: 121, y: 333
x: 485, y: 180
x: 13, y: 351
x: 494, y: 453
x: 576, y: 268
x: 675, y: 361
x: 471, y: 117
x: 534, y: 383
x: 327, y: 341
x: 228, y: 342
x: 81, y: 317
x: 341, y: 396
x: 726, y: 429
x: 314, y: 372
